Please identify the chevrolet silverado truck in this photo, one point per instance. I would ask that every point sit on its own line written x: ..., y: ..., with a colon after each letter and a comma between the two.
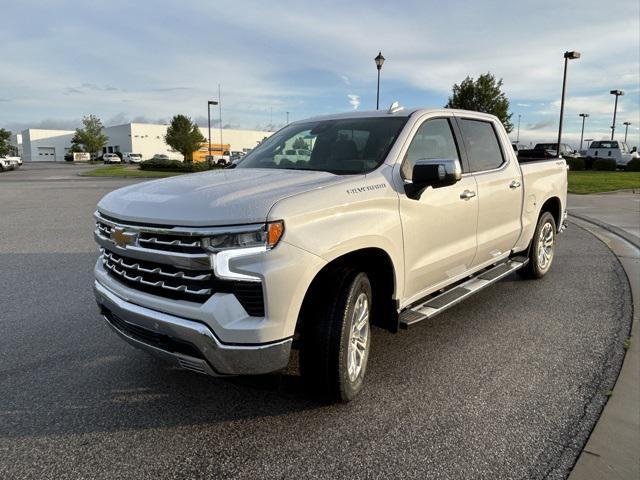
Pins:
x: 393, y: 217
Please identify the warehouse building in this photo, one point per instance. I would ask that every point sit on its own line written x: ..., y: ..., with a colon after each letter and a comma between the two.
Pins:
x: 146, y: 139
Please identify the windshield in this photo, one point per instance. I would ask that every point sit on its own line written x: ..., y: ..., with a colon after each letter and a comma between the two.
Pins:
x: 344, y: 146
x: 604, y: 145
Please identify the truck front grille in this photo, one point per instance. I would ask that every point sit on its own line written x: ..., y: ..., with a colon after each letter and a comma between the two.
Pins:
x: 170, y: 264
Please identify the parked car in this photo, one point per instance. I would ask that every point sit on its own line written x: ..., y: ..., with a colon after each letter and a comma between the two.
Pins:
x: 109, y: 158
x: 547, y: 150
x: 129, y: 157
x: 162, y: 156
x: 395, y: 217
x: 615, y: 149
x: 10, y: 163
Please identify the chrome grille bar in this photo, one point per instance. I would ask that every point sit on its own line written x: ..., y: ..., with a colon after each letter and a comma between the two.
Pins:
x: 172, y: 243
x: 159, y: 284
x: 156, y: 271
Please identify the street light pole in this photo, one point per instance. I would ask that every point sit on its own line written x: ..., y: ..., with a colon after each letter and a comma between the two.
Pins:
x: 209, y: 103
x: 584, y: 116
x: 617, y: 93
x: 518, y: 136
x: 220, y: 107
x: 626, y: 130
x: 379, y: 61
x: 287, y: 118
x: 567, y: 56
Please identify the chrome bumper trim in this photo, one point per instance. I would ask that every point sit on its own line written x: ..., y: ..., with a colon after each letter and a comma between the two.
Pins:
x: 220, y: 359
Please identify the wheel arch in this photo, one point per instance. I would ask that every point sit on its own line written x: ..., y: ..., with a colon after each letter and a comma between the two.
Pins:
x: 553, y: 205
x: 378, y: 266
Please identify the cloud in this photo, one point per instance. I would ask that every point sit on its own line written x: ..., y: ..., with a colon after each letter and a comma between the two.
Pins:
x: 540, y: 125
x: 346, y: 80
x: 354, y: 100
x: 523, y: 105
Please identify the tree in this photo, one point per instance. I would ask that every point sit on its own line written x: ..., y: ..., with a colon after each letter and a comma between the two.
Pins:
x: 482, y: 95
x: 184, y: 136
x: 5, y: 147
x: 90, y: 136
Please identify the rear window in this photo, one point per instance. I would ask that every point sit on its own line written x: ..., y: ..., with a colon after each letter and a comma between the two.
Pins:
x: 604, y: 144
x: 483, y: 148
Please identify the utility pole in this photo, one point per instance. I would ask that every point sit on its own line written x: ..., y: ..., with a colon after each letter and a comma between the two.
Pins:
x: 518, y: 137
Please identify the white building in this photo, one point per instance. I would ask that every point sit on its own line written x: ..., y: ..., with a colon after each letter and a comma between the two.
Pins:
x: 40, y: 145
x: 143, y: 138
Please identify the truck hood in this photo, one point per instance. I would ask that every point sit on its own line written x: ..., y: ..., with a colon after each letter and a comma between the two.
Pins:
x: 221, y: 197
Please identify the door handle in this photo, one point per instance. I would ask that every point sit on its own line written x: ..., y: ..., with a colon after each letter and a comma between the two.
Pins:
x: 467, y: 194
x: 514, y: 184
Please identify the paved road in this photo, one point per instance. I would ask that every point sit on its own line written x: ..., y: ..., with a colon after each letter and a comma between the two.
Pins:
x: 505, y: 385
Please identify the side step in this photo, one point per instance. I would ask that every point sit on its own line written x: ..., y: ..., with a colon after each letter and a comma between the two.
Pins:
x: 435, y: 305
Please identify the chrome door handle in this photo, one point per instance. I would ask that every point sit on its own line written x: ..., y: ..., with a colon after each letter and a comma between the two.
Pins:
x: 514, y: 184
x: 467, y: 194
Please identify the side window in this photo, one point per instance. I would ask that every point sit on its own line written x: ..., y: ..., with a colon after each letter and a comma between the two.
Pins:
x: 434, y: 139
x: 483, y: 148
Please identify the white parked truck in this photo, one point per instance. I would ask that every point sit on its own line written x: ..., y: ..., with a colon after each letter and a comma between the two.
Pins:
x: 392, y: 218
x: 618, y: 151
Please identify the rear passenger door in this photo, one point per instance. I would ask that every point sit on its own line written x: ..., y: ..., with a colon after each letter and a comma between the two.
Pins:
x: 499, y: 184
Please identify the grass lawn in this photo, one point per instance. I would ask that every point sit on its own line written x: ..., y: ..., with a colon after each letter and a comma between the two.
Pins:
x: 595, y: 182
x: 126, y: 171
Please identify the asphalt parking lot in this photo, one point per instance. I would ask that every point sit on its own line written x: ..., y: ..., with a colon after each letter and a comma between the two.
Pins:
x: 506, y: 385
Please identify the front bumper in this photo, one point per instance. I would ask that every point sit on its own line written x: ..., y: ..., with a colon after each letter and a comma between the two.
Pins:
x: 190, y: 344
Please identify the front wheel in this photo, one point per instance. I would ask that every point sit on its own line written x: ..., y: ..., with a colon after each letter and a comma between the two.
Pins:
x: 337, y: 337
x: 542, y: 249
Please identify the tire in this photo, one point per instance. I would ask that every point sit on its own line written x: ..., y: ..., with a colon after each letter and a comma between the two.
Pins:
x: 542, y: 249
x: 335, y: 346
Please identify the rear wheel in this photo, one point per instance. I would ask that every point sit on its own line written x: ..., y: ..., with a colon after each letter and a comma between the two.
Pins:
x: 336, y: 337
x: 542, y: 249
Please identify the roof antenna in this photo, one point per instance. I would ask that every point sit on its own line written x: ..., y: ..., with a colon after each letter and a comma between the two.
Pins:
x: 395, y: 107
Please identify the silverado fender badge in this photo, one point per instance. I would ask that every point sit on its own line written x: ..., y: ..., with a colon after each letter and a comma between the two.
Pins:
x: 366, y: 188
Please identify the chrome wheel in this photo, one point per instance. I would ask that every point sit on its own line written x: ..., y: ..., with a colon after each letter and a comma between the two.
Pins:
x: 358, y: 337
x: 545, y: 246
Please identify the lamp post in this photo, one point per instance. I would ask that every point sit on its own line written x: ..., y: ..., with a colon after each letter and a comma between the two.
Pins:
x: 220, y: 112
x: 584, y: 116
x: 567, y: 56
x: 379, y: 61
x: 518, y: 136
x: 626, y: 130
x: 209, y: 103
x: 617, y: 93
x: 287, y: 118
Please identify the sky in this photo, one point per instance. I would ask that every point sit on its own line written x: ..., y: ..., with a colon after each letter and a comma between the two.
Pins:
x: 147, y: 61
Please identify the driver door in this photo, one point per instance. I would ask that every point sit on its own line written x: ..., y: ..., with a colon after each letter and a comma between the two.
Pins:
x: 439, y: 227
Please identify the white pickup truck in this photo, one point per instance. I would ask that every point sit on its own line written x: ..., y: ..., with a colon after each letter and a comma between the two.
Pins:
x: 394, y: 217
x: 9, y: 163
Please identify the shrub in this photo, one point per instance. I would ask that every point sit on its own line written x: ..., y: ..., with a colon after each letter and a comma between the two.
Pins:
x: 602, y: 164
x: 173, y: 166
x: 575, y: 163
x: 633, y: 165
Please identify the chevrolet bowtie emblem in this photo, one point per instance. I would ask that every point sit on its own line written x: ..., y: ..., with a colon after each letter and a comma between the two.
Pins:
x: 123, y: 238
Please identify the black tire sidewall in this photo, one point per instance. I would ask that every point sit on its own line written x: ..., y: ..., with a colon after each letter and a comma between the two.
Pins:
x: 545, y: 218
x: 360, y: 284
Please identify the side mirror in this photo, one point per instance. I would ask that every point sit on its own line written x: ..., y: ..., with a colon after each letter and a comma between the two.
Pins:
x: 434, y: 173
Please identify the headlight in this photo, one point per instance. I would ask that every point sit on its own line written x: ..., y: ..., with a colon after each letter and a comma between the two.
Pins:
x: 227, y: 246
x: 267, y: 236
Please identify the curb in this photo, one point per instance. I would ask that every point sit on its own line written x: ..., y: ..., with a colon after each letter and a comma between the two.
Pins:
x: 611, y: 449
x: 629, y: 237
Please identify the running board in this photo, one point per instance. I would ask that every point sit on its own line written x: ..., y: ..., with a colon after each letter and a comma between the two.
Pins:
x: 435, y: 305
